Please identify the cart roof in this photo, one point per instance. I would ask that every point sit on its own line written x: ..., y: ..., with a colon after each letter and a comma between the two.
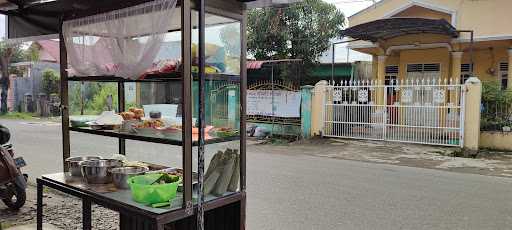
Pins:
x: 34, y: 18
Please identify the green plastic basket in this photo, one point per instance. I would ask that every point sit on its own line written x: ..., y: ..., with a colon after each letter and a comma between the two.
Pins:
x: 145, y: 193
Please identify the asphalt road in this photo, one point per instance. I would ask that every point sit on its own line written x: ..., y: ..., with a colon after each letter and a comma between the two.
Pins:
x: 291, y: 191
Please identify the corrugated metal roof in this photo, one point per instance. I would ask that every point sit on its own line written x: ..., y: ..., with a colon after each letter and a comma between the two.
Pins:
x: 255, y: 64
x: 384, y: 29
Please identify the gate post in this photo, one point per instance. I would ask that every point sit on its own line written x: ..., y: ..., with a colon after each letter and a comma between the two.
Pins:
x: 317, y: 107
x: 306, y: 110
x: 472, y: 103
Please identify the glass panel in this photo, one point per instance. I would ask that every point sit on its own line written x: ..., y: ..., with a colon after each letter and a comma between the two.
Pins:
x: 222, y: 46
x: 153, y: 110
x: 222, y: 107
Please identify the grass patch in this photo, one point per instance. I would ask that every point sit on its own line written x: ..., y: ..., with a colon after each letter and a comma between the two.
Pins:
x: 17, y: 116
x: 5, y: 225
x: 462, y: 153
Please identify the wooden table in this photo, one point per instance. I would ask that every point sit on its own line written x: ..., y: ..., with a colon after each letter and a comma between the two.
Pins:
x: 133, y: 216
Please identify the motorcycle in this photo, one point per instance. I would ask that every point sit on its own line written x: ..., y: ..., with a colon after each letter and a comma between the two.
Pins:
x: 13, y: 182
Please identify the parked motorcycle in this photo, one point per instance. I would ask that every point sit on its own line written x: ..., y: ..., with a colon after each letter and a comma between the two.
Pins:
x: 12, y: 182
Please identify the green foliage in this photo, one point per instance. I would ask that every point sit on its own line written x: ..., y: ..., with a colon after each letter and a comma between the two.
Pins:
x: 99, y: 101
x: 90, y: 98
x: 492, y: 93
x: 75, y: 104
x: 12, y: 53
x: 302, y: 30
x: 132, y: 104
x: 31, y: 54
x: 230, y: 37
x: 17, y: 116
x: 497, y: 103
x: 50, y: 82
x: 13, y: 50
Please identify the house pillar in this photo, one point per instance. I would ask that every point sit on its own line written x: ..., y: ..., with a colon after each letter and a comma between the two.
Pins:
x: 509, y: 84
x: 381, y: 75
x: 473, y: 88
x: 456, y: 63
x: 318, y: 98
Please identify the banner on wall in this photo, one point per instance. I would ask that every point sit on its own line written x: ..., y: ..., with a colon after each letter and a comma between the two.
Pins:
x: 282, y: 104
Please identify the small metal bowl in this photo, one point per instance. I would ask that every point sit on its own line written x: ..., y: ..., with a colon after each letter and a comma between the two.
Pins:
x: 74, y: 164
x: 98, y: 171
x: 121, y: 175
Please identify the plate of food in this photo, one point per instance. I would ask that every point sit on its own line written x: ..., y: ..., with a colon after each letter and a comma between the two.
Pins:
x: 108, y: 120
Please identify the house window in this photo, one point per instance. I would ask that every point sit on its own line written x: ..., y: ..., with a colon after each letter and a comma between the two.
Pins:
x: 503, y: 74
x: 422, y: 71
x: 465, y: 72
x: 391, y: 75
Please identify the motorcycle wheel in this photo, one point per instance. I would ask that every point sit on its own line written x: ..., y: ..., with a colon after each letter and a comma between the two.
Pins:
x: 17, y: 200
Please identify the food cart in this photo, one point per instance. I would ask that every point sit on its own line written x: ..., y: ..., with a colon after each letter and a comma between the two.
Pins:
x: 210, y: 72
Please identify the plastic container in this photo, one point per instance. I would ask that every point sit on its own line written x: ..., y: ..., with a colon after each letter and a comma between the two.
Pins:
x: 146, y: 193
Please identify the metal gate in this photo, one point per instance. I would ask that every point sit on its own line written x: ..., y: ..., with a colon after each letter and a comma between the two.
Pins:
x: 423, y: 111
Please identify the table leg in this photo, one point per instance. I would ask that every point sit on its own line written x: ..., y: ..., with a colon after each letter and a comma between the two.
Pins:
x: 160, y: 226
x: 39, y: 205
x: 86, y: 214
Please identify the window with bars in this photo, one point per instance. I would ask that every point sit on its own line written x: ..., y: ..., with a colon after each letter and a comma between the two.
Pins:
x: 431, y: 67
x: 423, y: 71
x: 465, y: 72
x: 503, y: 74
x: 391, y: 74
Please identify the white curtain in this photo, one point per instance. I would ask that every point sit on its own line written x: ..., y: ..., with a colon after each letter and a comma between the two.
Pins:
x: 121, y: 43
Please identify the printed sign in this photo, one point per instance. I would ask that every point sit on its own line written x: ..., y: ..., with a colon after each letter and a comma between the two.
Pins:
x: 285, y: 103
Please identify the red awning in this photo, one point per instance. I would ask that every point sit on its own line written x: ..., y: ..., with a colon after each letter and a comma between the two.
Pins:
x: 259, y: 64
x: 255, y: 64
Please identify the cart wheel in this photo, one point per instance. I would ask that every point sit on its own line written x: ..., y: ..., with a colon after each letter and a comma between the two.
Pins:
x: 17, y: 200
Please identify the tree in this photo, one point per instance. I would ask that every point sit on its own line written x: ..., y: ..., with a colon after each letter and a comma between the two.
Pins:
x: 99, y: 101
x: 9, y: 53
x: 50, y: 82
x: 230, y: 37
x: 302, y: 30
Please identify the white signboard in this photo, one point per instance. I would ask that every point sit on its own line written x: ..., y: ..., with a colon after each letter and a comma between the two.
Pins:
x: 286, y: 103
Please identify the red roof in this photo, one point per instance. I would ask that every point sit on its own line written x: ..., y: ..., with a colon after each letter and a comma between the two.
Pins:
x: 255, y: 64
x: 49, y: 50
x: 259, y: 64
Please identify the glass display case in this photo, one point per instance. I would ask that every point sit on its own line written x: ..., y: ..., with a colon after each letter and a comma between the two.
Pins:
x: 164, y: 71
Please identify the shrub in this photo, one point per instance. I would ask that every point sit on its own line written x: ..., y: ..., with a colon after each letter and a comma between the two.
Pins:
x: 50, y: 82
x: 496, y: 104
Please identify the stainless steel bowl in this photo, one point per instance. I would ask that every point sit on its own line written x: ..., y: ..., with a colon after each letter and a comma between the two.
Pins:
x: 98, y: 171
x: 121, y: 175
x: 74, y: 164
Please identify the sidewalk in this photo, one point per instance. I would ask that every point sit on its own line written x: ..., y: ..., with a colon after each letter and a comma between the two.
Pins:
x: 489, y: 163
x: 33, y: 226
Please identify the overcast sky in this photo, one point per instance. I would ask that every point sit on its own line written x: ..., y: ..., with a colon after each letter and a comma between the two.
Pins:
x: 350, y: 7
x: 2, y: 26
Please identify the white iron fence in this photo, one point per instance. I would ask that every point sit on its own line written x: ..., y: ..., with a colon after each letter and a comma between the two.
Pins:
x: 426, y: 111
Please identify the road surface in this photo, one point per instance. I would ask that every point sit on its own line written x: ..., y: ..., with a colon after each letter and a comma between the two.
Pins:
x: 291, y: 191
